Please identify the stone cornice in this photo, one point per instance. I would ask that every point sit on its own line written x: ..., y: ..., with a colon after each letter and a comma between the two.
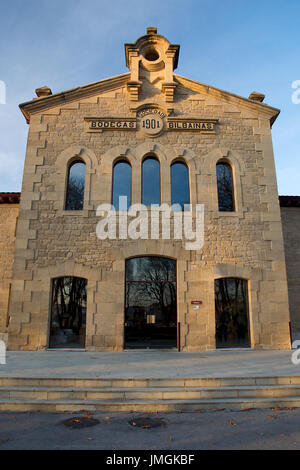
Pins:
x: 285, y: 201
x: 40, y: 104
x: 269, y: 111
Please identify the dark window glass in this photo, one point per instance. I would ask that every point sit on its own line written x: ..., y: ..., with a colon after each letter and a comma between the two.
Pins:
x: 225, y: 187
x: 150, y: 303
x: 121, y: 183
x: 68, y: 313
x: 232, y: 323
x: 180, y: 184
x: 75, y: 187
x: 151, y: 181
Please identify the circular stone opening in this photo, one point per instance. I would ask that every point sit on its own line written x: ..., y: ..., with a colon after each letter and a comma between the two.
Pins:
x: 151, y: 54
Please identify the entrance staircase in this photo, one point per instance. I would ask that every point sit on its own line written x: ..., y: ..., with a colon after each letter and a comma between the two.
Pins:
x: 148, y: 395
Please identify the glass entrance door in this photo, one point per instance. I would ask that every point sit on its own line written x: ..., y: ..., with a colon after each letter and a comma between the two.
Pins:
x: 150, y: 303
x: 232, y: 319
x: 68, y: 313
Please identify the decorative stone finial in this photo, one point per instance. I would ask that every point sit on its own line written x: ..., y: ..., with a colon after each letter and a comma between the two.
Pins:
x: 151, y: 30
x: 43, y: 91
x: 151, y: 57
x: 255, y: 96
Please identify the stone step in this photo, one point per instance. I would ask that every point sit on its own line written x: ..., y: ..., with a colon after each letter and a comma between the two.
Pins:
x: 147, y: 405
x: 156, y: 393
x: 147, y: 382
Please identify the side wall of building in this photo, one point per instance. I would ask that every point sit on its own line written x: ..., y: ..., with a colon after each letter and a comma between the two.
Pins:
x: 291, y: 234
x: 8, y: 220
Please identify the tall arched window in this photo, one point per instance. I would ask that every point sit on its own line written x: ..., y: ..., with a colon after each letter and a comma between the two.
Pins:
x: 180, y: 191
x: 225, y: 187
x: 75, y: 186
x: 121, y: 183
x: 150, y: 181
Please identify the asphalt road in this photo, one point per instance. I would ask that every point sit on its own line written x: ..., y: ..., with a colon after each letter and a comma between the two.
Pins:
x: 253, y: 429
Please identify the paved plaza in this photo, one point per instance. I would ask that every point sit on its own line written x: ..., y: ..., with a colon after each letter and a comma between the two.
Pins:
x: 149, y: 364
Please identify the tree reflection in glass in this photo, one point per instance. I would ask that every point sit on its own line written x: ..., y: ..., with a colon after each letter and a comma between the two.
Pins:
x: 225, y: 187
x: 232, y: 322
x: 68, y: 312
x: 150, y: 305
x: 75, y: 187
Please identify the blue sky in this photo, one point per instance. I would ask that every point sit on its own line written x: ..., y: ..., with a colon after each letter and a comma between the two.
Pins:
x: 237, y: 45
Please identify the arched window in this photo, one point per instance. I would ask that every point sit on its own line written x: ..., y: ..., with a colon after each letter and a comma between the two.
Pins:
x: 68, y: 312
x: 150, y: 181
x: 121, y: 183
x: 225, y: 187
x: 180, y: 191
x: 75, y: 186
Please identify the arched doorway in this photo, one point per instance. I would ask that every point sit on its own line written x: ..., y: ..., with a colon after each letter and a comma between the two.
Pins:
x: 232, y: 313
x: 150, y: 303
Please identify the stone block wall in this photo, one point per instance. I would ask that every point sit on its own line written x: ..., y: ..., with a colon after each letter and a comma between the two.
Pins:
x: 291, y: 234
x: 8, y: 220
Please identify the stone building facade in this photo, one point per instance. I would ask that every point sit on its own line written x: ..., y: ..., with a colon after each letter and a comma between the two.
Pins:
x: 150, y: 113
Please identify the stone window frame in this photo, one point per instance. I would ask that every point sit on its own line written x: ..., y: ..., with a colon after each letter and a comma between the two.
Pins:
x: 71, y: 163
x: 227, y: 163
x: 63, y: 162
x: 108, y: 161
x: 253, y: 278
x: 238, y: 171
x: 45, y: 277
x: 166, y: 155
x: 151, y: 248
